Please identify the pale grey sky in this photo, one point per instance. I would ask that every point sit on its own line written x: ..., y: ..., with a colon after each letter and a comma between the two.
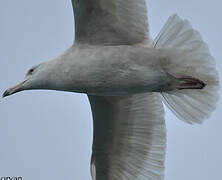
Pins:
x: 47, y: 135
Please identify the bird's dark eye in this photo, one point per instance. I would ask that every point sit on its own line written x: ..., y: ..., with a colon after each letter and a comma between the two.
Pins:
x: 30, y: 71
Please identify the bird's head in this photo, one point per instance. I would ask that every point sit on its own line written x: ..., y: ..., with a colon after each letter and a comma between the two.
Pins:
x: 33, y: 80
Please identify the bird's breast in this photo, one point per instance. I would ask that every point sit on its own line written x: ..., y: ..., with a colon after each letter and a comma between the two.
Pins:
x: 114, y: 71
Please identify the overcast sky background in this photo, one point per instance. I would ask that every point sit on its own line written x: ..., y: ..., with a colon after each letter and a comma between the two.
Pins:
x: 47, y: 135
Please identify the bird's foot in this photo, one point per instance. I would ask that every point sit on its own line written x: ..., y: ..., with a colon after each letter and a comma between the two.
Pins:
x: 187, y: 82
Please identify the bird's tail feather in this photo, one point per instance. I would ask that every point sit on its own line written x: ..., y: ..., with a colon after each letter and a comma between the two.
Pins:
x: 190, y: 56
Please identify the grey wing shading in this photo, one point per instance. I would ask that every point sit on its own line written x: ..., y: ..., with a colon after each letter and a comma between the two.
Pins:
x: 129, y: 137
x: 110, y: 22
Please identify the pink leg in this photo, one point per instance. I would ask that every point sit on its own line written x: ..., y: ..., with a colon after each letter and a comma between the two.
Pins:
x: 188, y: 82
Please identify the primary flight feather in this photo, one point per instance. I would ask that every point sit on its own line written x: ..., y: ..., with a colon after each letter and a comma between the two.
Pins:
x: 127, y: 77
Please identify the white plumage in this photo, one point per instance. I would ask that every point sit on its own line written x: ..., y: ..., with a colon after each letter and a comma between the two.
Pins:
x: 194, y: 59
x: 124, y: 75
x: 129, y: 137
x: 116, y: 22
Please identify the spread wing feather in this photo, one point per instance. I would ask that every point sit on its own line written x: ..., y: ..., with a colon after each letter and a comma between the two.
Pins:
x: 129, y: 137
x: 110, y: 22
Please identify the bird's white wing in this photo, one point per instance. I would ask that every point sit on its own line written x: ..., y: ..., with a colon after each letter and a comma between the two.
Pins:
x: 110, y: 22
x: 129, y: 137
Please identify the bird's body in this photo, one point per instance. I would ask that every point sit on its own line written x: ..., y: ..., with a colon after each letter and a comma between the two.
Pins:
x: 110, y: 70
x: 124, y: 75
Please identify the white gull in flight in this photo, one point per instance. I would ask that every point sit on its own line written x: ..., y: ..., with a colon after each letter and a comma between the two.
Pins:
x: 127, y: 77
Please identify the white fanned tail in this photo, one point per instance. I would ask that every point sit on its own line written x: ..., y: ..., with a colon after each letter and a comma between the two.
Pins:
x: 190, y: 56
